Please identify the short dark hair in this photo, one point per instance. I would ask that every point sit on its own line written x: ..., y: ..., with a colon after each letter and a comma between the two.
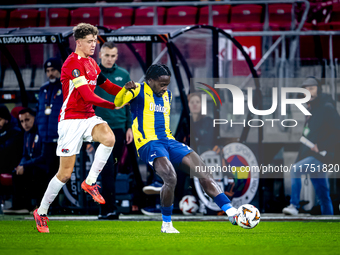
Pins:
x: 29, y: 110
x: 81, y: 30
x: 109, y: 45
x: 157, y: 70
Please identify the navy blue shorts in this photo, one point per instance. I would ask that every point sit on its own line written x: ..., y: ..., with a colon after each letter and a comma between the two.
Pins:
x: 172, y: 149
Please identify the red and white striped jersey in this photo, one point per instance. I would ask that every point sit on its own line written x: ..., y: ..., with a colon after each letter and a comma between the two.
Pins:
x: 77, y: 71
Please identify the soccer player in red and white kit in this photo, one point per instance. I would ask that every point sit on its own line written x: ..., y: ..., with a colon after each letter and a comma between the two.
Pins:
x: 80, y: 74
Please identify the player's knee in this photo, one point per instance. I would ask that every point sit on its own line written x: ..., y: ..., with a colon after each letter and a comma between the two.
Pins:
x: 64, y: 177
x: 170, y: 178
x: 109, y: 140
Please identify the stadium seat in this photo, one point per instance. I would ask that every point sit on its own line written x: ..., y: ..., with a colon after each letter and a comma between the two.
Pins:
x: 3, y: 15
x: 324, y: 40
x: 23, y: 18
x: 58, y: 17
x: 88, y: 15
x: 42, y: 18
x: 280, y: 16
x: 144, y: 16
x: 220, y: 15
x: 116, y: 17
x: 335, y: 15
x: 182, y: 15
x: 246, y: 17
x: 308, y: 44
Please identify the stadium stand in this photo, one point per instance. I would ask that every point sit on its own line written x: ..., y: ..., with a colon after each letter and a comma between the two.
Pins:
x: 246, y: 17
x: 116, y: 17
x: 144, y: 16
x: 23, y: 18
x: 88, y: 15
x: 3, y: 15
x: 58, y: 17
x: 220, y: 15
x: 182, y: 15
x: 280, y: 16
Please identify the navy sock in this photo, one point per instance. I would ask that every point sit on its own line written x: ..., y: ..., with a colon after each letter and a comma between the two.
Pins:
x: 223, y: 201
x: 166, y: 213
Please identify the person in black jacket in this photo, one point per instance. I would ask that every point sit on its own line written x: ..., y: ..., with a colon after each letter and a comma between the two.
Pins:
x: 29, y: 177
x: 11, y: 141
x: 48, y: 109
x: 322, y: 128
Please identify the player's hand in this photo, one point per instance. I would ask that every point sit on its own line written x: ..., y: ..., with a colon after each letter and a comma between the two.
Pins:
x: 19, y: 170
x: 130, y: 85
x: 129, y: 136
x: 119, y: 107
x: 315, y: 148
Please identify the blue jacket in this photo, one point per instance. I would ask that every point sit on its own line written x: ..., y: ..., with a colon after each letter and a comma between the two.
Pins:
x: 50, y: 95
x: 33, y: 154
x: 11, y: 141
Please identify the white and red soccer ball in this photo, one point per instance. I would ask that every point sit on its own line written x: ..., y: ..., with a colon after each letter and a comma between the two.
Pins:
x: 188, y: 205
x: 248, y: 216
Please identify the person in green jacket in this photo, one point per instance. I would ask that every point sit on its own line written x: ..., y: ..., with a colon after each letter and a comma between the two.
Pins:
x: 120, y: 123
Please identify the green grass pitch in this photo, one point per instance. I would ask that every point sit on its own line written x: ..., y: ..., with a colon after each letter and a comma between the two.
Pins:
x: 129, y: 237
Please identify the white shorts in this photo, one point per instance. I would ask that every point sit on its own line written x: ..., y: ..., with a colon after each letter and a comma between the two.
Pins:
x: 72, y: 134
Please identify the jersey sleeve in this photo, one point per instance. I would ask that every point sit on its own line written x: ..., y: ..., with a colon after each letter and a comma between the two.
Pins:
x: 76, y: 72
x: 125, y: 96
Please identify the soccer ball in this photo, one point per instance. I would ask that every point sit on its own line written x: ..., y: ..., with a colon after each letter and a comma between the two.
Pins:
x: 188, y: 205
x: 248, y: 216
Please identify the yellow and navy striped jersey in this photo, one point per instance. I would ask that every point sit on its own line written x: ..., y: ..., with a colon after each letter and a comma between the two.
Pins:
x: 150, y: 113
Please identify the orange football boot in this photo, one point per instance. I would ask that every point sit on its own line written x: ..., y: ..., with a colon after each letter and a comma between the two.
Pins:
x: 93, y: 191
x: 40, y: 220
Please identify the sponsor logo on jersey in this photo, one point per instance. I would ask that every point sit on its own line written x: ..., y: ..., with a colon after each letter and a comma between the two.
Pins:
x: 92, y: 82
x: 75, y: 73
x: 158, y: 108
x: 118, y: 78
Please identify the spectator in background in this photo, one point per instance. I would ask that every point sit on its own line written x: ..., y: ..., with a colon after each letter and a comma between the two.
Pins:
x: 11, y: 141
x: 29, y: 177
x: 120, y: 123
x: 201, y: 136
x: 15, y: 113
x: 322, y: 128
x: 48, y: 109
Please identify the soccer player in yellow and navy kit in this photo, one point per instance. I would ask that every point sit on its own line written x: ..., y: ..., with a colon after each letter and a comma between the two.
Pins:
x: 150, y: 104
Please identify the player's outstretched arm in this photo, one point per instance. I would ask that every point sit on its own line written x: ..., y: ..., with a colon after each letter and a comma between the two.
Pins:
x: 89, y: 96
x: 107, y: 85
x: 128, y: 92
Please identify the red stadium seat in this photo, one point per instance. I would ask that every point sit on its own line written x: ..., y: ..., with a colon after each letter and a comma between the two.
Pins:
x: 220, y: 15
x: 87, y: 15
x: 335, y: 15
x: 58, y: 17
x: 280, y: 16
x: 42, y: 18
x: 23, y: 18
x: 144, y: 16
x: 3, y: 15
x: 116, y: 17
x: 182, y: 15
x: 246, y: 17
x: 324, y: 40
x: 307, y: 43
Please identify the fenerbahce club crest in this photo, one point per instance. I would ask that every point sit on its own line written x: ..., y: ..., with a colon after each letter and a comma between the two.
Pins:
x: 233, y: 172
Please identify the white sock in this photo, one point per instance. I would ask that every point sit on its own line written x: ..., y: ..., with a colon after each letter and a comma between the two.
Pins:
x: 100, y: 158
x: 51, y: 192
